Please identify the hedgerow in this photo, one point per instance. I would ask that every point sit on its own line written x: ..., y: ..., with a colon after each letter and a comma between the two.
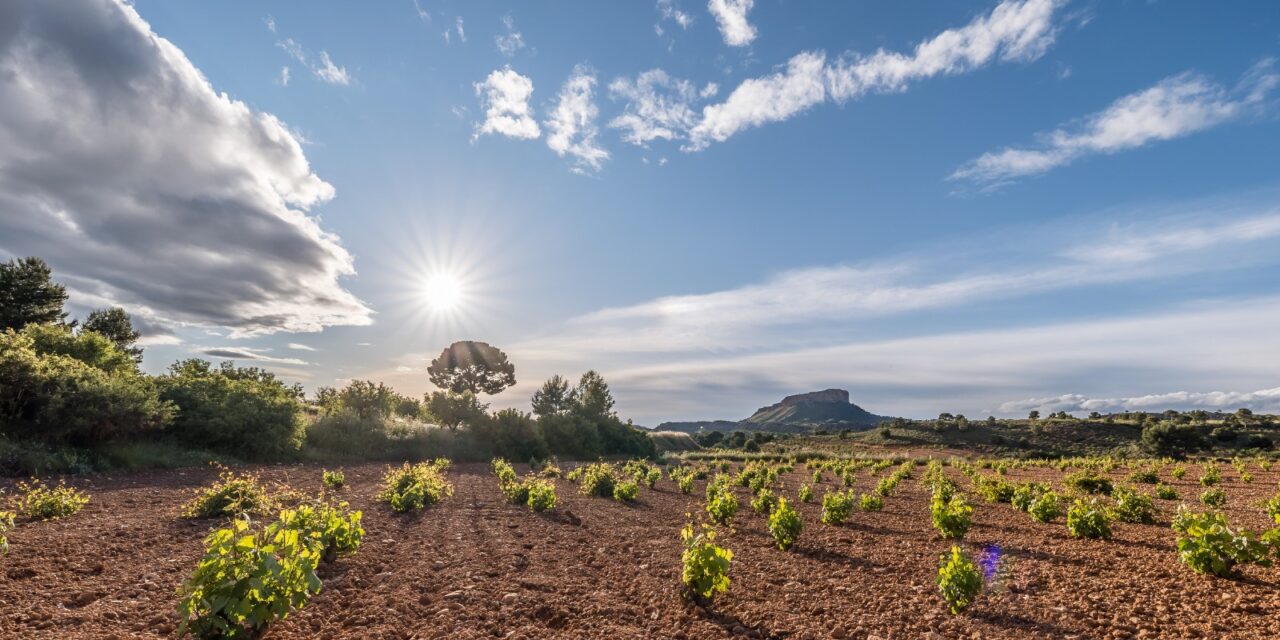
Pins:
x: 415, y: 487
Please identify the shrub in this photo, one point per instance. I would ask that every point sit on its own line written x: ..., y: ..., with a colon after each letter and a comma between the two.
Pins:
x: 785, y: 524
x: 1212, y: 475
x: 817, y: 476
x: 1272, y: 507
x: 1133, y: 507
x: 1088, y: 520
x: 722, y: 505
x: 994, y: 489
x: 1166, y: 492
x: 626, y: 491
x: 764, y: 502
x: 1088, y: 482
x: 542, y: 495
x: 550, y: 471
x: 1026, y: 493
x: 1208, y: 545
x: 1213, y: 497
x: 598, y: 480
x: 6, y: 523
x: 334, y: 479
x: 836, y: 506
x: 415, y: 487
x: 1179, y: 472
x: 1144, y: 476
x: 1172, y: 439
x: 870, y: 502
x: 1047, y: 507
x: 336, y: 531
x: 952, y: 517
x: 244, y: 411
x: 706, y: 566
x: 805, y: 494
x: 503, y: 469
x: 575, y: 474
x: 959, y: 581
x: 39, y: 502
x: 652, y: 477
x: 245, y: 581
x: 685, y: 482
x: 230, y: 495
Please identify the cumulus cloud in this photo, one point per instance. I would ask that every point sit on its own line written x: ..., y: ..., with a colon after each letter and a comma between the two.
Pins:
x: 1262, y: 400
x: 731, y: 18
x: 1175, y: 107
x: 571, y: 127
x: 658, y: 107
x: 511, y: 41
x: 504, y: 96
x: 1015, y: 31
x: 247, y: 353
x: 140, y: 184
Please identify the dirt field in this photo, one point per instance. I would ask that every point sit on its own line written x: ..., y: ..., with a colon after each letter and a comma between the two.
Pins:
x: 477, y: 567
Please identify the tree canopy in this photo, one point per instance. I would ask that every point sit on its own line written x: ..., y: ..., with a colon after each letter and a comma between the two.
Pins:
x: 115, y: 325
x: 28, y: 294
x: 472, y: 366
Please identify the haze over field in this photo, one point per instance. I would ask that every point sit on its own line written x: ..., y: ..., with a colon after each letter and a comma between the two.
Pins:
x: 988, y: 207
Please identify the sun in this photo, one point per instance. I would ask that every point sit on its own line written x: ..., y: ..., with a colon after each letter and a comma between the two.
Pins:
x: 443, y: 292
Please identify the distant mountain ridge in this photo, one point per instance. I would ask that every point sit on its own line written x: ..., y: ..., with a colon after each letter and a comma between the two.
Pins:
x: 829, y: 409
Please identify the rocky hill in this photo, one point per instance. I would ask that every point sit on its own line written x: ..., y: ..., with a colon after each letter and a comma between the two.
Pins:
x: 828, y: 409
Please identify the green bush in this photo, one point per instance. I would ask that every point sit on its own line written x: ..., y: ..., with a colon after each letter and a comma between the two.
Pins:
x: 334, y: 479
x: 230, y: 495
x: 598, y: 480
x: 805, y: 494
x: 1178, y: 472
x: 706, y: 566
x: 1144, y: 476
x: 64, y: 389
x: 1166, y: 492
x: 334, y: 530
x: 1208, y: 545
x: 1133, y: 507
x: 6, y: 523
x: 836, y: 506
x: 542, y: 495
x: 1086, y: 519
x: 626, y: 491
x: 1272, y: 507
x: 959, y: 581
x: 1026, y: 493
x: 244, y: 411
x: 1047, y: 507
x: 685, y: 482
x: 415, y: 487
x: 39, y: 502
x: 246, y: 581
x: 1211, y: 476
x: 952, y: 517
x: 870, y: 502
x: 722, y: 505
x: 994, y: 489
x: 764, y: 502
x: 1214, y: 497
x: 1088, y: 482
x: 785, y: 524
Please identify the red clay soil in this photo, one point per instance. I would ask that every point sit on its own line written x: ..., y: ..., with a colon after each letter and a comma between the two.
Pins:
x: 477, y: 567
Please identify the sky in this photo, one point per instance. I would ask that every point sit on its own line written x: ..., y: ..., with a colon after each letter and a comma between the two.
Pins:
x: 980, y: 207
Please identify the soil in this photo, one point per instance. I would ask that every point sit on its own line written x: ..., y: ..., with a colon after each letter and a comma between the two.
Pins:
x: 477, y: 567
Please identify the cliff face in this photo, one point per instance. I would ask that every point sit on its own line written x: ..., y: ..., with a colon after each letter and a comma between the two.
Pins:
x: 796, y: 413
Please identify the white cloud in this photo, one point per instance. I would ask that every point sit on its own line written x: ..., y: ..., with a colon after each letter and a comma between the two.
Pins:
x: 1015, y: 31
x: 284, y: 76
x: 731, y: 17
x: 668, y: 10
x: 301, y: 347
x: 457, y: 27
x: 571, y: 127
x: 423, y: 14
x: 658, y: 107
x: 271, y: 24
x: 294, y: 49
x: 247, y: 353
x: 1262, y: 401
x: 330, y: 72
x: 510, y: 42
x: 1175, y: 107
x: 504, y: 96
x: 158, y: 192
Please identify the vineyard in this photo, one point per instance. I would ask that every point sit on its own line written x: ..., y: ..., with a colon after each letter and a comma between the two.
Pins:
x: 841, y: 548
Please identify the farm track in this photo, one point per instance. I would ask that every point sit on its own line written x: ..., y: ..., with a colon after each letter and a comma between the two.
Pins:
x: 477, y: 567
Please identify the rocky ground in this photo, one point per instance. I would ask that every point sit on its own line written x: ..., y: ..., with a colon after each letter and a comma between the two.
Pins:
x: 477, y: 567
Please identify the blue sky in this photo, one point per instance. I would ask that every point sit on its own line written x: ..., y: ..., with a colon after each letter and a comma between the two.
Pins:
x: 977, y: 207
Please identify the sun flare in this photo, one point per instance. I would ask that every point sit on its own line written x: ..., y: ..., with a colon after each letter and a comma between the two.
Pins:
x: 443, y: 292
